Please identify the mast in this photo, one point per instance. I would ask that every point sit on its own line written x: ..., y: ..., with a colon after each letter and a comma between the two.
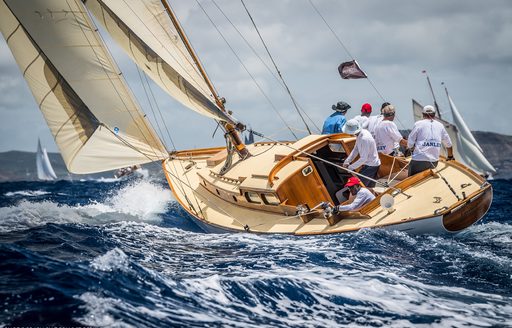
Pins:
x: 229, y: 127
x: 433, y: 95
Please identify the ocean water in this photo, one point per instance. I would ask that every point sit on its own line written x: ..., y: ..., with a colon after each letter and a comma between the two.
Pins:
x: 124, y: 254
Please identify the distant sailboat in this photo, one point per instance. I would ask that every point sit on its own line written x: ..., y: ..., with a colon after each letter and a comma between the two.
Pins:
x: 44, y: 167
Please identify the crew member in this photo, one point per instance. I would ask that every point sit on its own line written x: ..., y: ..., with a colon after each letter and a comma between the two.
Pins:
x: 376, y: 119
x: 366, y: 111
x: 362, y: 195
x: 335, y: 122
x: 427, y: 136
x: 387, y: 136
x: 366, y: 149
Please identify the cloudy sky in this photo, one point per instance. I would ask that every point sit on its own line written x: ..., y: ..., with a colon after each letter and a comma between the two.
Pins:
x: 465, y: 43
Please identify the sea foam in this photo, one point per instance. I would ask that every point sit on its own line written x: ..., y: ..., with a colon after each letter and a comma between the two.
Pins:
x: 138, y: 201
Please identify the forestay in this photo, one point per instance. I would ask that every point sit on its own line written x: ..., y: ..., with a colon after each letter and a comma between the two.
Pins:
x: 89, y: 109
x: 147, y: 34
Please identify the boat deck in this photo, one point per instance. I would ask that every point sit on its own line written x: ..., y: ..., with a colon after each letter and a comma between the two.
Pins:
x: 425, y: 195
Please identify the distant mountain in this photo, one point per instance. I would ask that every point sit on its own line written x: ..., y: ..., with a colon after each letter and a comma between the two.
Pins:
x: 498, y: 150
x: 19, y: 165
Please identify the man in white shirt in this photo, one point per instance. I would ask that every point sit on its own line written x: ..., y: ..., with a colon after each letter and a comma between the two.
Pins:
x: 363, y: 196
x: 387, y: 136
x: 373, y: 121
x: 427, y: 136
x: 366, y: 149
x: 366, y: 111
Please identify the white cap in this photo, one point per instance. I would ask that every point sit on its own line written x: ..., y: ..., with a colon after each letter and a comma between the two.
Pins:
x: 429, y: 109
x: 352, y: 127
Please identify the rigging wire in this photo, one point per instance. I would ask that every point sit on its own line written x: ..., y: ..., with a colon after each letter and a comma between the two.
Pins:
x: 197, y: 83
x: 246, y: 69
x: 275, y: 66
x: 262, y: 61
x: 343, y: 45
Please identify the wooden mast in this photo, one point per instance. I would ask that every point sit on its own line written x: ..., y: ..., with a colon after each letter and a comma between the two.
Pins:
x: 228, y: 126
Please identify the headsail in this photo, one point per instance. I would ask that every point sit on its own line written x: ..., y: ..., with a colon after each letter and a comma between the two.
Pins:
x: 471, y: 149
x: 461, y: 125
x: 146, y: 33
x: 91, y: 113
x: 44, y: 167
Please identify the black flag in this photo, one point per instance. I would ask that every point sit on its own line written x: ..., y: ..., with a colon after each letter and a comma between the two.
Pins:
x: 351, y: 70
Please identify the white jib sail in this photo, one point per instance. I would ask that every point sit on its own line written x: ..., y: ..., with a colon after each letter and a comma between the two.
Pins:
x: 89, y: 109
x: 146, y: 33
x: 461, y: 125
x: 472, y: 149
x: 44, y: 167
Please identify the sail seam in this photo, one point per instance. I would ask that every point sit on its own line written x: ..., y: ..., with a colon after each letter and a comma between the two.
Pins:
x: 11, y: 34
x: 110, y: 59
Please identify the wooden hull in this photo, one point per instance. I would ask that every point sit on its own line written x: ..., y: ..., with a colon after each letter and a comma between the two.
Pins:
x: 446, y: 200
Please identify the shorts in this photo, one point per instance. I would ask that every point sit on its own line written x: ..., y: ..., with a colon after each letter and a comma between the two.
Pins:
x: 420, y: 166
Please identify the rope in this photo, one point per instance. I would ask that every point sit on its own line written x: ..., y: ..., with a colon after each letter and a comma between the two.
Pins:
x: 343, y: 45
x: 277, y: 69
x: 247, y: 70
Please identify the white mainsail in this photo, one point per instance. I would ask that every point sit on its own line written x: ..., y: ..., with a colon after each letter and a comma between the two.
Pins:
x: 89, y: 109
x: 44, y: 167
x: 465, y: 150
x: 146, y: 33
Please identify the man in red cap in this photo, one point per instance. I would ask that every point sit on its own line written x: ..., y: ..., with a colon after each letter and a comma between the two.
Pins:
x: 366, y: 111
x: 363, y: 195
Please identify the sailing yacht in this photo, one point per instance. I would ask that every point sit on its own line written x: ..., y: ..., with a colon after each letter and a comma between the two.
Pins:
x: 266, y: 187
x: 44, y: 167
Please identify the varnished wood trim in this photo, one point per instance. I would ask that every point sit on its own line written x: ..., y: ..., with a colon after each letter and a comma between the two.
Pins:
x: 197, y: 152
x: 290, y: 157
x: 469, y: 213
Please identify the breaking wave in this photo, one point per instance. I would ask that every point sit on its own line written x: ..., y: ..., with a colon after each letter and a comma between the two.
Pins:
x: 125, y: 255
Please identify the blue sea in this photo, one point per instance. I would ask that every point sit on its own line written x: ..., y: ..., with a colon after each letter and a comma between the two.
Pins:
x: 124, y: 254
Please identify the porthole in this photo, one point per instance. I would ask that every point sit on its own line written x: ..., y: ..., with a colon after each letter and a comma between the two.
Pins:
x: 307, y: 170
x: 252, y: 197
x: 270, y: 199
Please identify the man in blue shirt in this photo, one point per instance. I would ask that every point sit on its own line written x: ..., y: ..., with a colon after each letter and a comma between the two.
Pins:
x: 335, y: 122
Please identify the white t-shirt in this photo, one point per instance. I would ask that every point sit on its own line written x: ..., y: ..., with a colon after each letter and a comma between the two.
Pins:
x: 387, y: 137
x: 363, y: 197
x: 427, y: 136
x: 366, y: 149
x: 363, y: 120
x: 373, y: 121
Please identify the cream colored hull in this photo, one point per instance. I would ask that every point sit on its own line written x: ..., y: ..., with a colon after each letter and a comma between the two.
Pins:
x: 429, y: 205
